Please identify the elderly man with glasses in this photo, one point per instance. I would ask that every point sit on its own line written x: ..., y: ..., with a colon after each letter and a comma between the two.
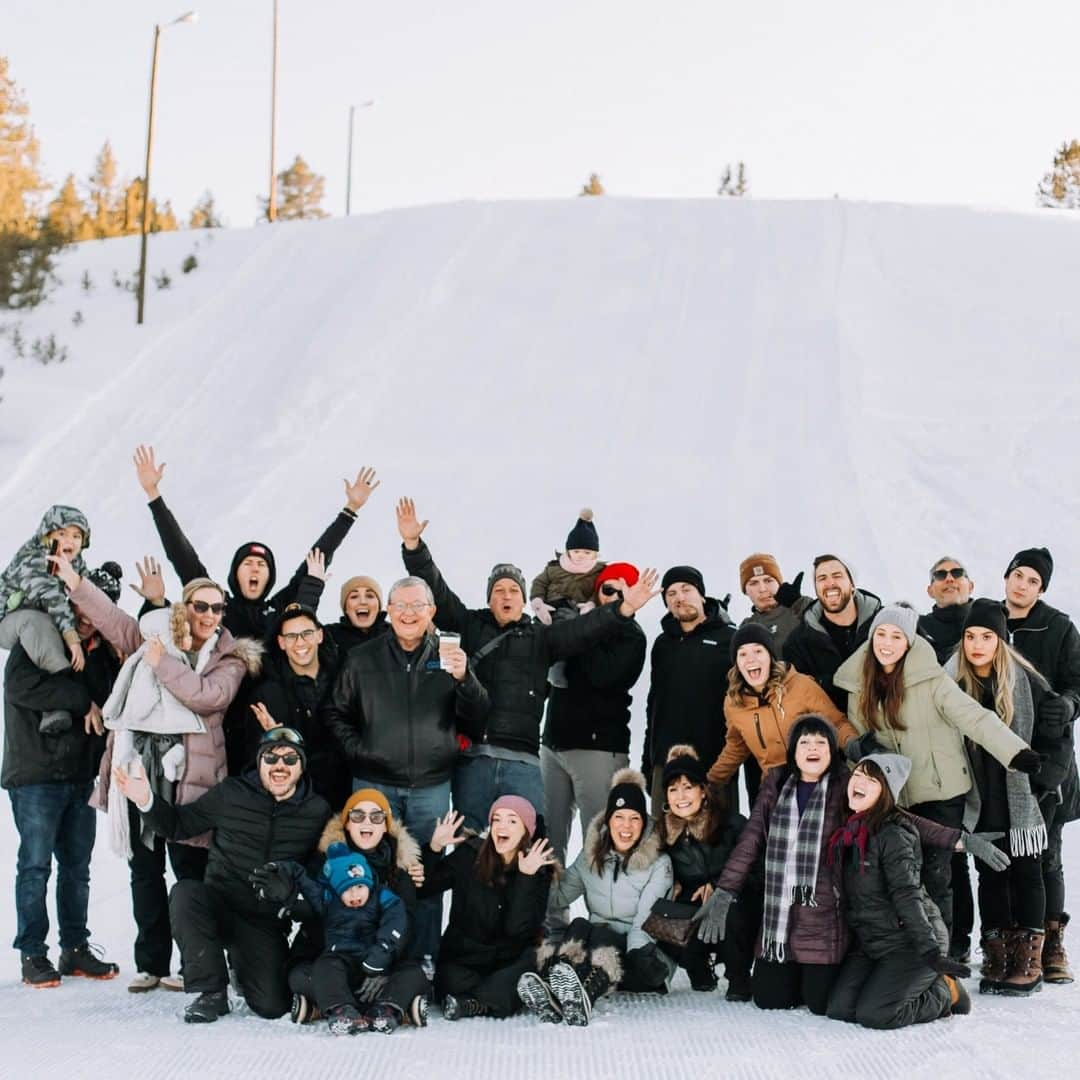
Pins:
x: 270, y: 813
x: 950, y: 588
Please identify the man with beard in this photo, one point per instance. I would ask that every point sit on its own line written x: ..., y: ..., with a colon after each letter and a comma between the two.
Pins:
x: 833, y: 627
x: 950, y: 588
x: 688, y: 679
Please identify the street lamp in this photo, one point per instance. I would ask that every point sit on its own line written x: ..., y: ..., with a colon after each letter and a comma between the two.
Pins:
x: 348, y: 166
x: 271, y: 202
x: 187, y: 17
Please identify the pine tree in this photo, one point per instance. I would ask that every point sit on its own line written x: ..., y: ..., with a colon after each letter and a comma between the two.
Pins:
x: 204, y: 214
x: 1061, y: 186
x: 66, y: 215
x: 734, y: 187
x: 593, y: 187
x: 20, y: 181
x: 299, y: 193
x: 105, y: 205
x: 162, y: 218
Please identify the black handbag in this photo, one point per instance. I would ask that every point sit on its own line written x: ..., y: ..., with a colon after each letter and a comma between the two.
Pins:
x: 669, y: 922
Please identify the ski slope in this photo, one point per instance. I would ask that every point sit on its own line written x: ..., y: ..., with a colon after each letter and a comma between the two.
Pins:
x: 712, y: 377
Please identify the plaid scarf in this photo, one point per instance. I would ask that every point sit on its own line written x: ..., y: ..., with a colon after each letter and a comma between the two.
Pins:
x: 853, y: 833
x: 791, y: 862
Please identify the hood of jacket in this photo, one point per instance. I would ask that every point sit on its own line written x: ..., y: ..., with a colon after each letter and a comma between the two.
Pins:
x: 407, y: 850
x: 920, y: 665
x: 715, y: 615
x: 239, y: 555
x: 58, y: 516
x: 866, y: 607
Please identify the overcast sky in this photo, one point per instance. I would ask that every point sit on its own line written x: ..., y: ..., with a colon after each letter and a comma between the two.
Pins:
x: 928, y: 101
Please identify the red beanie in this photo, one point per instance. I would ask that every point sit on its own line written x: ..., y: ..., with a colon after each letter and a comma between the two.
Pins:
x: 616, y: 570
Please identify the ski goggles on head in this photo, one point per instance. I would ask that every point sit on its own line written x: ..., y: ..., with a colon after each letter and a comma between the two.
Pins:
x: 283, y: 734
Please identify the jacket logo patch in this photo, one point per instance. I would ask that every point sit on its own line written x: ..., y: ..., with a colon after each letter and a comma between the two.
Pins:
x: 356, y: 871
x: 433, y: 665
x: 709, y: 641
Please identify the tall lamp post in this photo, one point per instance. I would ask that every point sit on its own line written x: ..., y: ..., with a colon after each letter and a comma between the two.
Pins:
x: 187, y: 17
x: 348, y: 165
x: 271, y: 202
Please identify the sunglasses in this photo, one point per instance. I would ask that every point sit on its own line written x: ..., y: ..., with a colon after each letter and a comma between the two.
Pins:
x: 957, y: 572
x: 272, y: 757
x: 202, y: 607
x: 299, y: 635
x: 376, y: 817
x: 610, y: 590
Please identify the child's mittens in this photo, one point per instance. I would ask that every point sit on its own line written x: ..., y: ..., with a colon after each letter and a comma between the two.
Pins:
x: 541, y: 609
x: 584, y: 609
x: 172, y: 764
x: 376, y: 959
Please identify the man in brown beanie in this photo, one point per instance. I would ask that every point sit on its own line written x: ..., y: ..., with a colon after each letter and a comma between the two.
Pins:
x: 362, y: 614
x: 775, y: 604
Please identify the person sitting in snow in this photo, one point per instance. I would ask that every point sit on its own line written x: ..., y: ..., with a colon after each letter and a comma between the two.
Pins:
x: 35, y: 611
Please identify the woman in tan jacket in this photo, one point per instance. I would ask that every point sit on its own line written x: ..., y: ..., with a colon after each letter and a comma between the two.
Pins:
x: 765, y: 697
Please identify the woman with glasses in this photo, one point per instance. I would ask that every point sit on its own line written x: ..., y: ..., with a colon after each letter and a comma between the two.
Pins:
x: 184, y: 663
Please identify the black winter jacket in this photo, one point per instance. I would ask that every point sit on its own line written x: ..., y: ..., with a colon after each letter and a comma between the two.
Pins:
x: 395, y: 714
x: 943, y: 627
x: 592, y: 712
x: 687, y: 684
x: 347, y: 637
x: 250, y: 828
x: 490, y: 925
x: 699, y: 850
x: 515, y: 671
x: 68, y: 758
x: 812, y: 651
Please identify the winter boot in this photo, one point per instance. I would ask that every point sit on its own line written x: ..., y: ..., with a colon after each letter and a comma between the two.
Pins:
x: 577, y: 992
x: 1055, y: 962
x: 346, y: 1020
x: 418, y: 1011
x: 536, y: 996
x: 738, y: 987
x: 385, y: 1017
x: 455, y: 1008
x: 959, y: 998
x: 54, y: 722
x: 304, y: 1010
x: 207, y: 1007
x: 1025, y: 964
x: 701, y: 971
x: 38, y: 972
x: 995, y: 966
x: 83, y: 961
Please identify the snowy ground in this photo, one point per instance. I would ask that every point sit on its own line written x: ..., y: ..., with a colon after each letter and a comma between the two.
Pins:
x: 713, y: 377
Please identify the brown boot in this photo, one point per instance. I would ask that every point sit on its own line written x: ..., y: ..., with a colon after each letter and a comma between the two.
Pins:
x: 1025, y: 964
x: 1055, y: 962
x: 995, y: 966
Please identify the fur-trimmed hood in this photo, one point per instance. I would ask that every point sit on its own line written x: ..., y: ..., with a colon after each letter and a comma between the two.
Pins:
x: 702, y: 826
x: 407, y: 850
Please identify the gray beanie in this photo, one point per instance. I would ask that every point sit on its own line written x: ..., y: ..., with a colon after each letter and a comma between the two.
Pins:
x: 509, y: 572
x: 900, y: 615
x: 896, y: 768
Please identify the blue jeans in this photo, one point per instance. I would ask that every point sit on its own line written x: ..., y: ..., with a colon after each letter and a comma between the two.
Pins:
x: 417, y: 809
x: 479, y: 781
x: 53, y: 820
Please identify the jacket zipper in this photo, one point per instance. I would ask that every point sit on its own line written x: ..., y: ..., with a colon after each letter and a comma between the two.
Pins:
x: 757, y: 726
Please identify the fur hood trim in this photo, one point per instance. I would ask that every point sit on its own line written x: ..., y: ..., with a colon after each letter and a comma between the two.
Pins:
x: 649, y: 848
x: 701, y: 826
x: 247, y: 650
x: 408, y: 850
x: 250, y: 652
x: 682, y: 750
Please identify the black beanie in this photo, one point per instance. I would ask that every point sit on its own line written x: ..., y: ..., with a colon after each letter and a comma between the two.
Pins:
x: 583, y: 535
x: 989, y: 614
x: 626, y: 794
x: 107, y: 578
x: 261, y: 551
x: 753, y: 634
x: 683, y: 761
x: 688, y: 574
x: 1039, y: 559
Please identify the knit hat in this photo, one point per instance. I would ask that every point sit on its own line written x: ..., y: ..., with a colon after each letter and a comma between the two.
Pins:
x: 282, y: 737
x: 345, y: 868
x: 896, y: 768
x: 360, y: 582
x: 628, y: 572
x: 295, y: 611
x: 259, y: 550
x: 753, y: 634
x: 507, y: 571
x: 989, y: 614
x: 627, y: 793
x: 583, y: 535
x: 367, y: 794
x: 683, y: 760
x: 107, y: 578
x: 901, y: 616
x: 688, y: 574
x: 756, y: 565
x: 1038, y: 559
x: 518, y: 805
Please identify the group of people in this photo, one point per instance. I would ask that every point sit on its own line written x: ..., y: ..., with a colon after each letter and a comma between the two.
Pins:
x: 317, y: 788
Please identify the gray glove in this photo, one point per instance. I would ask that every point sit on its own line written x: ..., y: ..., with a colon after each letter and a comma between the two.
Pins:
x: 371, y: 987
x: 711, y: 917
x: 982, y: 846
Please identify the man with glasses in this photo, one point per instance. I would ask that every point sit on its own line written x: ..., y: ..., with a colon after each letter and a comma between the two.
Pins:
x: 395, y: 711
x: 270, y: 814
x: 950, y: 588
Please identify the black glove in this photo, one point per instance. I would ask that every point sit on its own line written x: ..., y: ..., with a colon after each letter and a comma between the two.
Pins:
x: 1056, y: 711
x: 273, y: 883
x: 1027, y: 761
x: 788, y: 594
x: 946, y: 965
x: 376, y: 960
x: 857, y: 749
x: 725, y: 602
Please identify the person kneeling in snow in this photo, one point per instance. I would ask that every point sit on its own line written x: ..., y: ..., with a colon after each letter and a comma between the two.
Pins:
x: 269, y: 812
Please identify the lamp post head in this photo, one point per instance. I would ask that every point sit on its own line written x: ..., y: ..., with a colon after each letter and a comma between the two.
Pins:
x: 187, y: 17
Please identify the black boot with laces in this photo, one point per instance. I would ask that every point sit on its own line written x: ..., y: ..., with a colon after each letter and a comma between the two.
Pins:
x: 38, y: 971
x: 87, y: 961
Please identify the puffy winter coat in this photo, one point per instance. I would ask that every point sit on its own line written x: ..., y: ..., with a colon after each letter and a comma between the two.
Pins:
x: 888, y: 908
x: 687, y: 684
x: 943, y: 627
x: 936, y: 715
x: 555, y: 583
x: 761, y: 729
x: 699, y: 847
x: 515, y: 671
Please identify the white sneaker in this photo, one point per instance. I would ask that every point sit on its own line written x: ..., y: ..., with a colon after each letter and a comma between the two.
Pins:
x: 172, y: 982
x: 143, y: 982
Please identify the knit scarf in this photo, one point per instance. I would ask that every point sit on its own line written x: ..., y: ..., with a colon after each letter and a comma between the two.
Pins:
x: 791, y: 862
x: 853, y: 833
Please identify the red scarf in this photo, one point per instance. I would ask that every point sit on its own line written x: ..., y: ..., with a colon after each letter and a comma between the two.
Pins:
x: 851, y: 834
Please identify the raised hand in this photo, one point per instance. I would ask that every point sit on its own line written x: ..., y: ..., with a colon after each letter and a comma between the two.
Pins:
x: 148, y: 471
x: 133, y: 784
x: 539, y: 855
x: 262, y: 714
x: 78, y: 657
x: 446, y: 831
x: 635, y: 597
x: 409, y: 529
x: 316, y: 564
x: 356, y: 493
x: 151, y: 581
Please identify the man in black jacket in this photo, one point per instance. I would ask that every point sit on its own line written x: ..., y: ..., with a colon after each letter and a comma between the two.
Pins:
x: 270, y: 814
x: 512, y: 653
x: 1048, y: 639
x: 833, y: 627
x: 49, y: 779
x: 688, y: 677
x: 950, y: 588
